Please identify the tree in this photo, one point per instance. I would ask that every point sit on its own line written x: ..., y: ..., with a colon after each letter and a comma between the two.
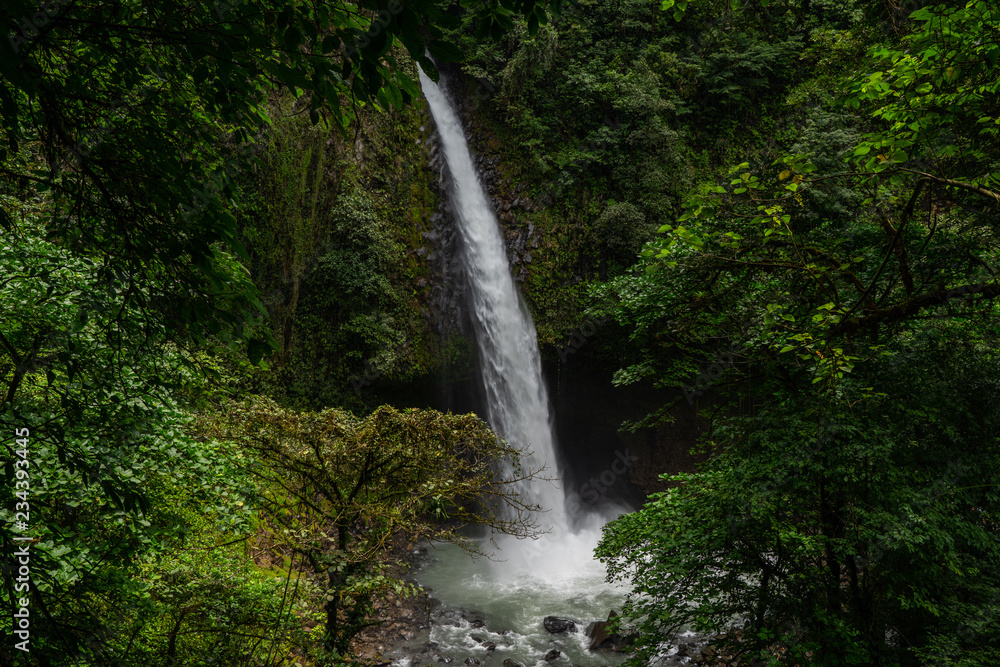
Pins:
x: 339, y: 490
x: 849, y: 514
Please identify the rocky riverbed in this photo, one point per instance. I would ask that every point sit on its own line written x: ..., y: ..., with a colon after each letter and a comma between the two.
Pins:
x: 424, y: 632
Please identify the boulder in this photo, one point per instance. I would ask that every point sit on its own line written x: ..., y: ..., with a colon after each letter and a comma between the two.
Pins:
x: 484, y: 642
x: 600, y: 634
x: 510, y: 663
x: 556, y: 625
x: 551, y: 655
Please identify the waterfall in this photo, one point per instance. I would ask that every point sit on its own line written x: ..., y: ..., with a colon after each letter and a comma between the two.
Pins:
x: 531, y: 579
x: 510, y: 364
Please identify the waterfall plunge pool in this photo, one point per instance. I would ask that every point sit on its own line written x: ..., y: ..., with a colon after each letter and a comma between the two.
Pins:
x: 503, y: 603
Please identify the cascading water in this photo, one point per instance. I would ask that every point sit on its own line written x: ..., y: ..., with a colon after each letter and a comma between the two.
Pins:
x: 555, y: 574
x: 510, y: 364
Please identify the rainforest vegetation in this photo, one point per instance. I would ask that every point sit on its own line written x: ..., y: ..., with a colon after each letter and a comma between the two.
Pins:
x: 221, y: 315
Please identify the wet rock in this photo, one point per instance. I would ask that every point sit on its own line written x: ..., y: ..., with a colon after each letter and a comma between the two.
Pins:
x: 450, y: 617
x: 445, y: 659
x: 599, y: 632
x: 510, y: 663
x: 555, y: 625
x: 484, y: 642
x: 471, y: 661
x: 551, y: 655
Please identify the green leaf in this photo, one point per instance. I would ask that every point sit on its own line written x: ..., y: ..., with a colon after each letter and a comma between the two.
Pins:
x: 256, y: 349
x: 445, y: 51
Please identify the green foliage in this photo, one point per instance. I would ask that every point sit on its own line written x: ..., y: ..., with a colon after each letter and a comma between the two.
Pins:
x: 136, y: 152
x: 837, y: 533
x: 95, y: 383
x: 621, y: 103
x: 202, y: 600
x: 328, y: 233
x: 848, y: 513
x: 623, y: 229
x: 339, y: 489
x: 211, y: 608
x: 937, y: 97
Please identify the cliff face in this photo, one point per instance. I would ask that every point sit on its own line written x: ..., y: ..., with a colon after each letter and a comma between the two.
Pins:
x: 356, y: 253
x: 549, y: 246
x: 354, y: 249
